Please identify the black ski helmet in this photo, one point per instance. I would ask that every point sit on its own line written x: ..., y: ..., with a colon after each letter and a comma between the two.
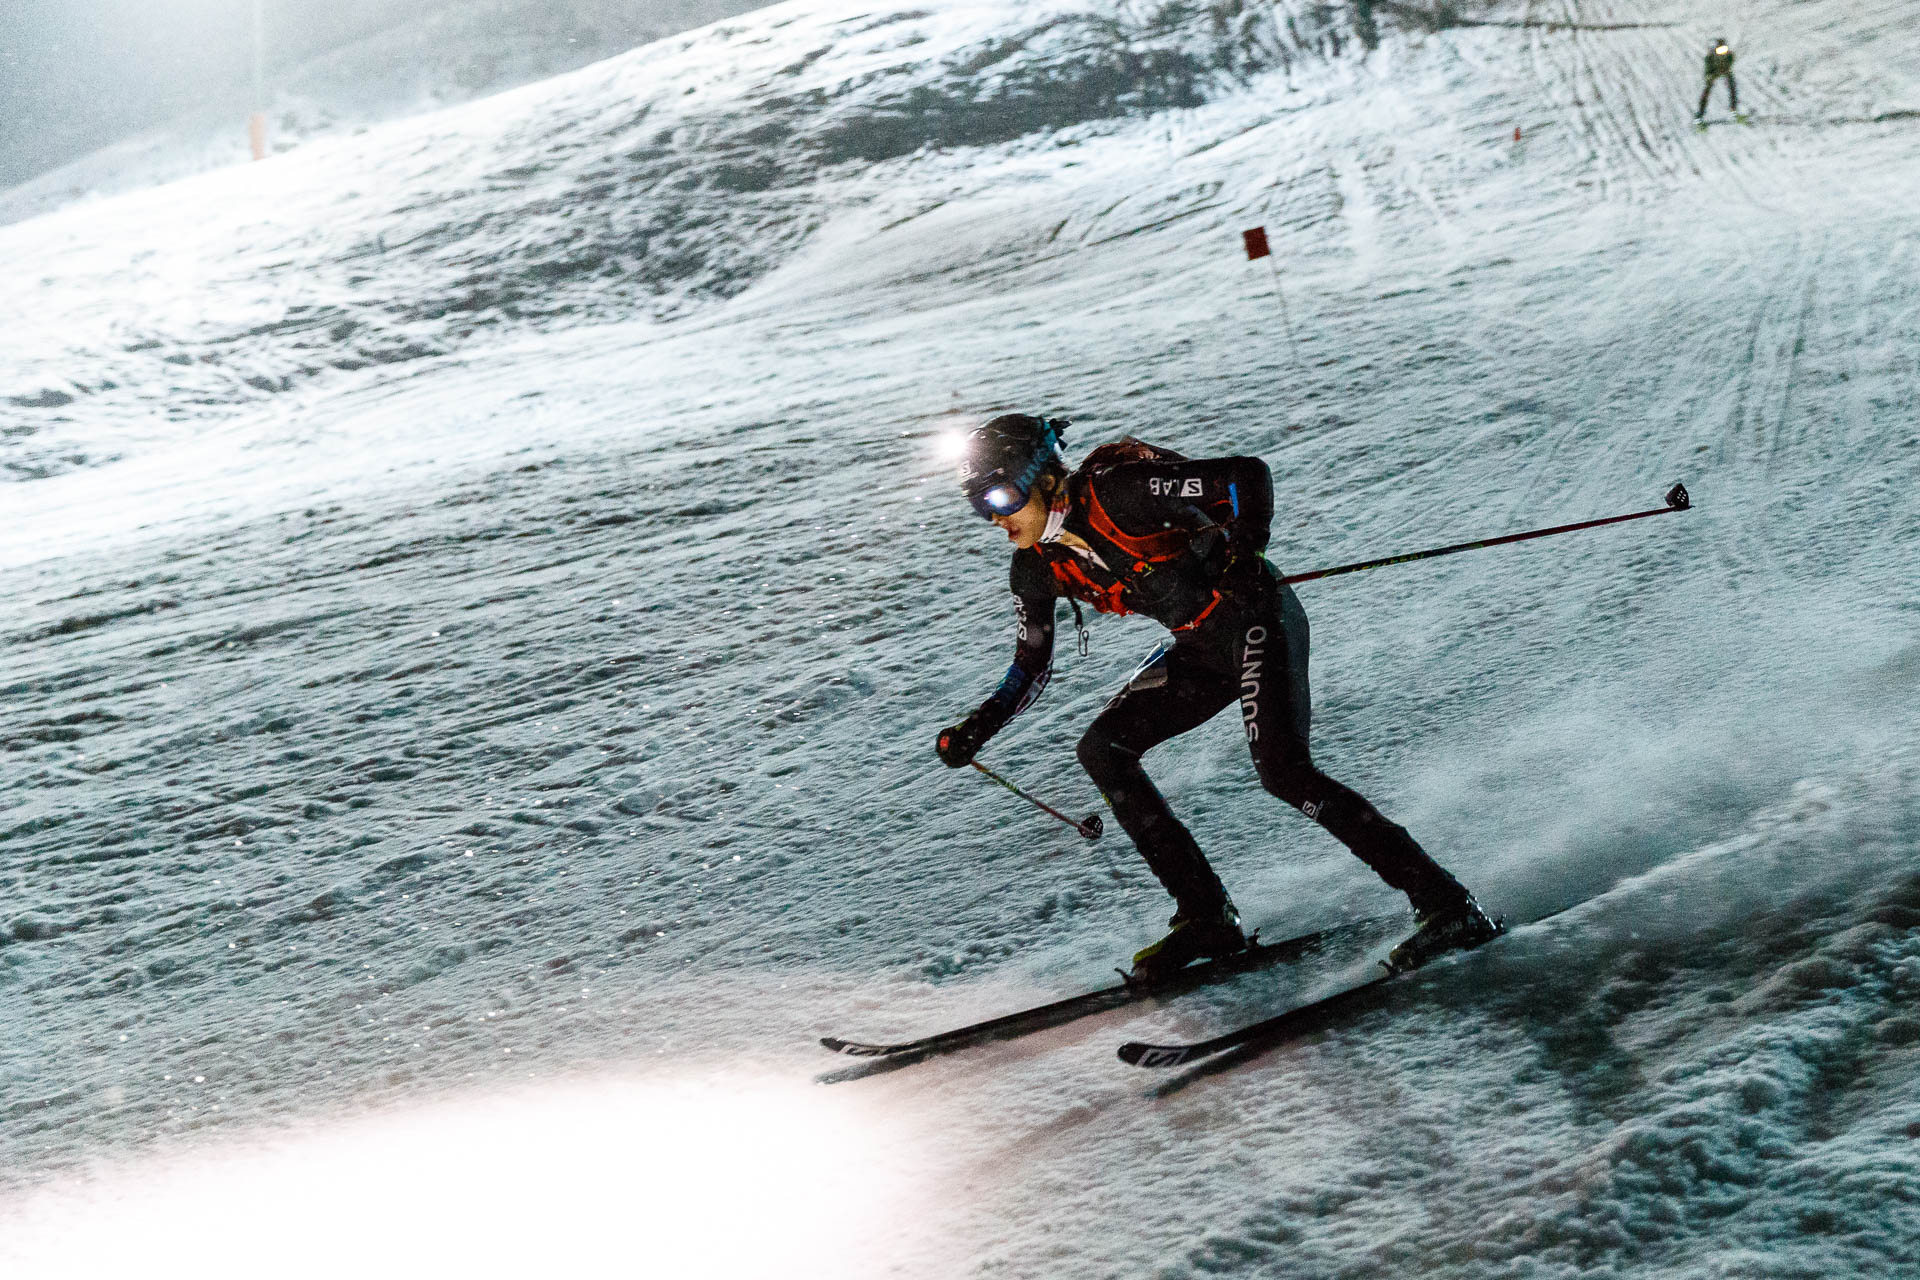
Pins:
x: 1004, y: 459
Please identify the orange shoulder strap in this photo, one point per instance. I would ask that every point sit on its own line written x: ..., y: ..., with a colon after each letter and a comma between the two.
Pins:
x: 1150, y: 547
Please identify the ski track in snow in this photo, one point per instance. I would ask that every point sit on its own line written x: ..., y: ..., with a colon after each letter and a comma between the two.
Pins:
x: 481, y: 594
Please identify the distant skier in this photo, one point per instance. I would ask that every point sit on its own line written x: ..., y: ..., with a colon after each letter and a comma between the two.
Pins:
x: 1143, y: 530
x: 1719, y: 63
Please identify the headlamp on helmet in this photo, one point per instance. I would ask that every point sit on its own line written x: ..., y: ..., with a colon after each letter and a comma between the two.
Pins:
x: 1005, y: 459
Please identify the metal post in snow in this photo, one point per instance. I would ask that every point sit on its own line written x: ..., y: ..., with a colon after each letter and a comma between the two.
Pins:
x: 257, y: 122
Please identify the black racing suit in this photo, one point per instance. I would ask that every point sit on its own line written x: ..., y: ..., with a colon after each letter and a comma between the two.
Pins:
x: 1187, y: 553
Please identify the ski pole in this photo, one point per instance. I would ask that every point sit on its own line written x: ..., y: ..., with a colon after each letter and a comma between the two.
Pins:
x: 1091, y: 827
x: 1677, y: 500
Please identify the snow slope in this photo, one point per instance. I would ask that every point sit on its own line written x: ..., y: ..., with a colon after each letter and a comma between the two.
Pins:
x: 482, y: 593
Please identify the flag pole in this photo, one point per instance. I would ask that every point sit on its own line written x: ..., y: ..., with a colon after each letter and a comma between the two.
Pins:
x: 1257, y: 247
x: 1285, y: 318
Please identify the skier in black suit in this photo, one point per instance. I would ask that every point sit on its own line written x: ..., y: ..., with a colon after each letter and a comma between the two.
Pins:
x: 1719, y: 63
x: 1139, y: 529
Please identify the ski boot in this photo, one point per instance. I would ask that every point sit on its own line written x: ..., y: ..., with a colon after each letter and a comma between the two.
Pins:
x: 1457, y: 926
x: 1200, y: 936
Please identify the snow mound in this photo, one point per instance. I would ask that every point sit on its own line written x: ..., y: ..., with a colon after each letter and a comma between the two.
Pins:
x: 648, y: 187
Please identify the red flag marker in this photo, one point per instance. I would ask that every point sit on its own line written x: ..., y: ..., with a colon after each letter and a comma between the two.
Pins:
x: 1516, y: 133
x: 1257, y: 247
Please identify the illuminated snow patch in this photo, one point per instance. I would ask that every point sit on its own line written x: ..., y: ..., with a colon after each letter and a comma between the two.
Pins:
x: 707, y: 1180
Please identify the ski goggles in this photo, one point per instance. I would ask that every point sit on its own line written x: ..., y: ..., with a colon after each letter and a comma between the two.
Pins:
x: 1004, y: 490
x: 1001, y: 494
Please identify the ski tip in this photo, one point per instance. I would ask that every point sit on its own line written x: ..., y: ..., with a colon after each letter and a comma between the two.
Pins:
x: 1136, y: 1054
x: 855, y: 1049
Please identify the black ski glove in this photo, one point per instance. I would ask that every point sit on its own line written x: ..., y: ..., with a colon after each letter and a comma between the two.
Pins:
x: 1232, y: 565
x: 1210, y: 546
x: 958, y: 744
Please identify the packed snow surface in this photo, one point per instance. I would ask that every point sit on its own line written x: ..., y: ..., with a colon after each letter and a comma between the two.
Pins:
x: 481, y: 594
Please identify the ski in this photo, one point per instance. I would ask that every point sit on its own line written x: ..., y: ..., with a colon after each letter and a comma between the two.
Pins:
x: 1259, y: 955
x: 1299, y: 1021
